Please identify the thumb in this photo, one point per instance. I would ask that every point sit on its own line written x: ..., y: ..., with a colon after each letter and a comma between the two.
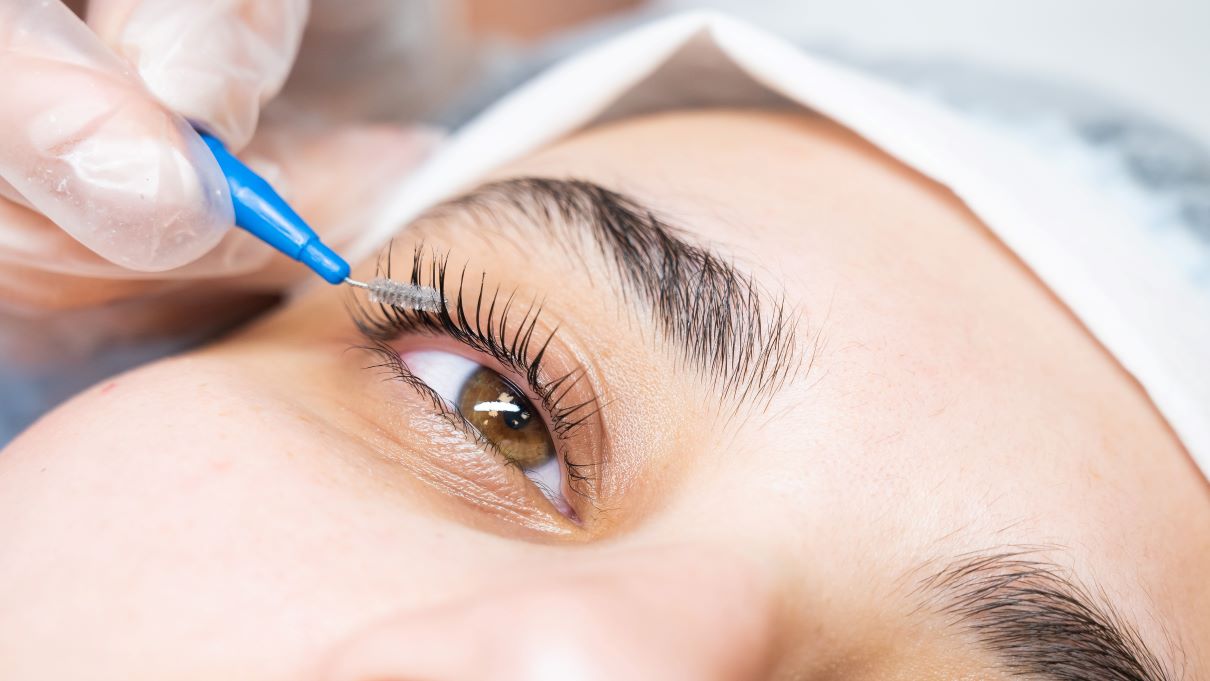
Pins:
x: 215, y: 62
x: 82, y: 143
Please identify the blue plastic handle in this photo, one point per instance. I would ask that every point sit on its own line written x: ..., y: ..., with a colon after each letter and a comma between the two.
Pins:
x: 259, y: 210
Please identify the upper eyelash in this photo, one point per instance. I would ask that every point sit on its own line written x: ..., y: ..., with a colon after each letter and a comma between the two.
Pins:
x: 487, y: 334
x: 487, y: 331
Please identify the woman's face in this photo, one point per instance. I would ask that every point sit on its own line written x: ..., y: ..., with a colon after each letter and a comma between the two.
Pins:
x: 778, y: 408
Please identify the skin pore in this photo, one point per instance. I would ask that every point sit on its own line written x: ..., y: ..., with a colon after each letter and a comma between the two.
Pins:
x: 916, y: 465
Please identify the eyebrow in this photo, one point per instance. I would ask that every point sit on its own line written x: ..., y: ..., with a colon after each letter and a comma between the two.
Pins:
x: 718, y: 318
x: 1038, y: 621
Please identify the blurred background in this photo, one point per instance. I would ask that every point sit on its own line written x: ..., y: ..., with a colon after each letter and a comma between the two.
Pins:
x: 1153, y: 55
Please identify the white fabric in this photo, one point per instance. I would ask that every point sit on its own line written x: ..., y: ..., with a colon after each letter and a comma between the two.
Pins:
x: 1145, y: 310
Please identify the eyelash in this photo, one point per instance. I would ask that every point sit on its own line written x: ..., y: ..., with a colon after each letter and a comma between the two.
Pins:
x: 382, y: 323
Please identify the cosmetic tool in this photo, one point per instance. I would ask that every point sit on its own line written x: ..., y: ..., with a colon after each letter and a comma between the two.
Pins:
x: 263, y: 213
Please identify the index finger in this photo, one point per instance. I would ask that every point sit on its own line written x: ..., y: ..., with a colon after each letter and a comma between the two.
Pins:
x: 216, y: 63
x: 85, y: 144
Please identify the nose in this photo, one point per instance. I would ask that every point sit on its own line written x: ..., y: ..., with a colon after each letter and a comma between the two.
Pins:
x: 666, y: 615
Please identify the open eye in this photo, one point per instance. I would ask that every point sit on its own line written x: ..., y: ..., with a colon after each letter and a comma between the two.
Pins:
x: 500, y: 412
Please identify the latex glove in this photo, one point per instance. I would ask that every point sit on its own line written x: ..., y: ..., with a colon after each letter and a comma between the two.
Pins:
x: 215, y: 62
x: 94, y: 140
x: 85, y: 144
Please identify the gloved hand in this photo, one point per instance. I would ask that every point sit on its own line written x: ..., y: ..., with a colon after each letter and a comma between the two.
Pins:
x: 103, y: 178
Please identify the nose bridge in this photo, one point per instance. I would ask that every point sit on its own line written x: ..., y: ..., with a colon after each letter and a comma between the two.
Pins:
x: 668, y: 614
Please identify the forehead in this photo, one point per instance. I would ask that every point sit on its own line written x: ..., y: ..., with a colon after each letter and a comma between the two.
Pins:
x: 780, y: 193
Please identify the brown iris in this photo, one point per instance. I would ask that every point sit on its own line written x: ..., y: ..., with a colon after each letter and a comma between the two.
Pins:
x: 502, y: 414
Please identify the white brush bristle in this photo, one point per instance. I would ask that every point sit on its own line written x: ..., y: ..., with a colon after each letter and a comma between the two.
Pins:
x: 399, y: 294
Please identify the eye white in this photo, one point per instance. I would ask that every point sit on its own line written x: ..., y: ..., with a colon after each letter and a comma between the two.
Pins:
x: 444, y: 372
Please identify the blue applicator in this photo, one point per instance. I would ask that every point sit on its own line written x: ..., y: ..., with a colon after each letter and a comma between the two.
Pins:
x: 266, y: 215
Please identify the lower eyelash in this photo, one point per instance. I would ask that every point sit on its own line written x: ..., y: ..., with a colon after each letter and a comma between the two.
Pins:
x: 398, y: 370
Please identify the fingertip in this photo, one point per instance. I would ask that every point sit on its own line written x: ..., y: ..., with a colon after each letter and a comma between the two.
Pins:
x: 161, y: 202
x: 99, y: 157
x: 215, y: 64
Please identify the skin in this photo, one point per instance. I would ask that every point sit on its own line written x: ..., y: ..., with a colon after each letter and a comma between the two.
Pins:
x: 265, y: 508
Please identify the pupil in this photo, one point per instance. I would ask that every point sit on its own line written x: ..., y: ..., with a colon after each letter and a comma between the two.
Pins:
x: 517, y: 419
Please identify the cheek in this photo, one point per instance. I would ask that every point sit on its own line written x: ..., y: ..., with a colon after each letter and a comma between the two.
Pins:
x: 183, y: 504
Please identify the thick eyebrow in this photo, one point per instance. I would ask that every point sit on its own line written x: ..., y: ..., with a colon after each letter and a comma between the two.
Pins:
x: 1038, y: 621
x: 718, y: 318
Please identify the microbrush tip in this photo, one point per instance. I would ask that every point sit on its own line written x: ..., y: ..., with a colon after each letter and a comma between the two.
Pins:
x: 399, y: 294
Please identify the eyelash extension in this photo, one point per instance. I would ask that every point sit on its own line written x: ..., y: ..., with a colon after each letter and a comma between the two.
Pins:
x: 487, y: 332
